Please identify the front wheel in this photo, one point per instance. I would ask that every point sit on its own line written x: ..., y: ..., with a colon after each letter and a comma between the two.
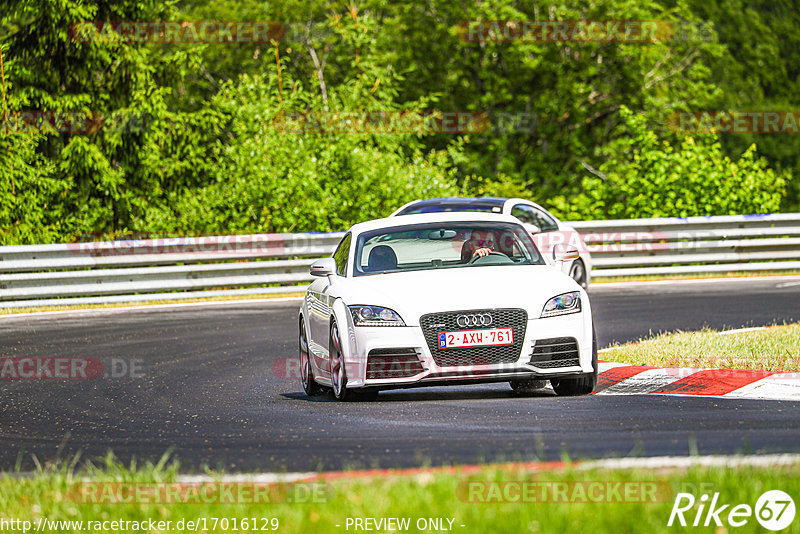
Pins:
x: 582, y: 384
x: 338, y: 371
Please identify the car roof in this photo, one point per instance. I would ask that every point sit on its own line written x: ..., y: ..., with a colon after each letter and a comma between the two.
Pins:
x: 494, y: 201
x: 487, y: 204
x: 423, y: 218
x: 458, y: 202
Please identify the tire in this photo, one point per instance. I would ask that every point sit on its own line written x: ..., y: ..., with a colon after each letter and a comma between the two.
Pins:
x: 578, y: 273
x: 339, y: 373
x: 338, y: 368
x: 311, y: 388
x: 522, y: 388
x: 582, y: 384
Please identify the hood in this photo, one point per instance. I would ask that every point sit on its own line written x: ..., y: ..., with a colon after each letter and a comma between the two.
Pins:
x: 413, y: 294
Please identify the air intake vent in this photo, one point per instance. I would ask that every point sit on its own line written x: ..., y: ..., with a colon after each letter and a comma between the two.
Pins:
x: 555, y: 352
x: 393, y: 363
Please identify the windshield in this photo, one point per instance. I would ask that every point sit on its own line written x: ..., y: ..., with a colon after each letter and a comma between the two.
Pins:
x: 443, y: 246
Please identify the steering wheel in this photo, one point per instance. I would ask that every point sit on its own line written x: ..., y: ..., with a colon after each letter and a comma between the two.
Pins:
x: 475, y: 258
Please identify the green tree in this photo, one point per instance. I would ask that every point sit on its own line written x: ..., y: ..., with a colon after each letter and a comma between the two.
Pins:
x: 646, y: 177
x: 565, y: 96
x: 758, y: 71
x: 261, y: 173
x: 113, y: 172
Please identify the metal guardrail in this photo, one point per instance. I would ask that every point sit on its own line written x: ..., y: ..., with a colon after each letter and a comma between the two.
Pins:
x: 689, y: 245
x: 158, y: 269
x: 180, y: 268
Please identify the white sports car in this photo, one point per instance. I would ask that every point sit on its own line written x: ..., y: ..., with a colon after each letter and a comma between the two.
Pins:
x: 444, y: 298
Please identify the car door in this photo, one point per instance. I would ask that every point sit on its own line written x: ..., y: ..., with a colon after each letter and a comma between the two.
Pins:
x: 320, y: 307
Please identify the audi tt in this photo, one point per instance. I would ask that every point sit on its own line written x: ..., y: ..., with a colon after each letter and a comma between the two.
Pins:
x: 444, y: 298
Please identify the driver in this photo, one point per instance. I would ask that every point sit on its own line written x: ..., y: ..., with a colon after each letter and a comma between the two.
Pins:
x: 480, y: 243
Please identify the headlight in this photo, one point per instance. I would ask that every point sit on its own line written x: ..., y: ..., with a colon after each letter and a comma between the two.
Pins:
x: 375, y: 316
x: 563, y: 304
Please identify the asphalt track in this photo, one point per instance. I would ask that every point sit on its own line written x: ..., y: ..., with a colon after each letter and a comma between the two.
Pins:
x: 205, y: 387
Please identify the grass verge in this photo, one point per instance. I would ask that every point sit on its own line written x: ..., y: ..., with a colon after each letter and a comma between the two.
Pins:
x: 773, y: 349
x: 561, y: 500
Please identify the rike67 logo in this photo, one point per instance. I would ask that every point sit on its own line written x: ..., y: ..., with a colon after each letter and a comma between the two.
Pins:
x: 774, y: 510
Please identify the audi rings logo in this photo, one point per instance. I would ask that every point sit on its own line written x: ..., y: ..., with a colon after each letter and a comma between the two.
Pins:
x: 474, y: 319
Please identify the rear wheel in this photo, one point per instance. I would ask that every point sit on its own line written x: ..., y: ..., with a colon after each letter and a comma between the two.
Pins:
x: 311, y: 388
x: 522, y: 388
x: 582, y: 384
x: 578, y: 273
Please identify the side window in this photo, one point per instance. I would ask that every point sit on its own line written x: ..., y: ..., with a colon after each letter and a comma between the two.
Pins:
x: 340, y: 256
x: 531, y: 215
x: 524, y: 213
x: 546, y: 223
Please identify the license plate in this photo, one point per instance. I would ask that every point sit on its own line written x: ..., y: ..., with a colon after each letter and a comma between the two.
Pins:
x: 476, y: 338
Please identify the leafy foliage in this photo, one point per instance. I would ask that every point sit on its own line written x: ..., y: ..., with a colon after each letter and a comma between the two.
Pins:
x: 189, y: 137
x: 645, y: 177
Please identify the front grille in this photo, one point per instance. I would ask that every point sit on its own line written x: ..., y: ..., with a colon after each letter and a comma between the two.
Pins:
x: 555, y: 352
x: 513, y: 318
x: 393, y: 363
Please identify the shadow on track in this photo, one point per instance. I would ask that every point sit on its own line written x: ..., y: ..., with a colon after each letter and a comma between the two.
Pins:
x: 431, y: 394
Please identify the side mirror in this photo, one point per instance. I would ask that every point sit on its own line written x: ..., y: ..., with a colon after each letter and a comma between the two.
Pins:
x: 561, y: 253
x: 323, y: 267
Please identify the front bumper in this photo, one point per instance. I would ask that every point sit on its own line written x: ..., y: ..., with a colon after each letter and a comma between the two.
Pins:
x: 366, y: 340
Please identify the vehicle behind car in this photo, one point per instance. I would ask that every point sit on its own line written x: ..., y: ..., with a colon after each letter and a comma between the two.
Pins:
x: 547, y: 231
